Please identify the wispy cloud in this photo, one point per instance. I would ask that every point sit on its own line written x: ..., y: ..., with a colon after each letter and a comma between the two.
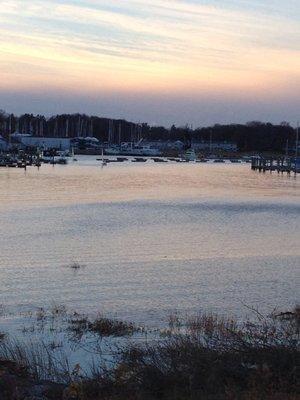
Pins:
x: 152, y: 45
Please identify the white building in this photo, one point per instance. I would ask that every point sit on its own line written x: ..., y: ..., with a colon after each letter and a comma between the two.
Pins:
x: 43, y: 143
x: 165, y: 144
x: 213, y: 146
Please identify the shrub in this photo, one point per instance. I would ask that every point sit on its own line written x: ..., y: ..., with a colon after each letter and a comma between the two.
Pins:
x: 204, y: 357
x: 101, y: 326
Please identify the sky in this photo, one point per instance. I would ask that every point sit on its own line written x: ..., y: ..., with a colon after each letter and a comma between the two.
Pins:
x: 195, y: 62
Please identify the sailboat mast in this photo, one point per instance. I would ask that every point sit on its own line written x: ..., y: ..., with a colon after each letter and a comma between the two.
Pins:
x: 9, y: 131
x: 120, y: 131
x: 296, y: 149
x: 67, y: 127
x: 109, y: 131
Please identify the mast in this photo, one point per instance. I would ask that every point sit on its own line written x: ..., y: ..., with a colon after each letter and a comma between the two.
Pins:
x: 55, y: 127
x: 120, y: 132
x: 91, y: 128
x: 110, y: 131
x: 78, y: 127
x: 10, y: 124
x: 108, y: 135
x: 37, y: 126
x: 42, y: 127
x: 82, y: 128
x: 30, y: 127
x: 9, y: 131
x: 67, y: 127
x: 139, y: 131
x: 296, y: 149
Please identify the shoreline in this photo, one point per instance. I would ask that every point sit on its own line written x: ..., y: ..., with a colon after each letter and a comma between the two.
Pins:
x: 247, y: 354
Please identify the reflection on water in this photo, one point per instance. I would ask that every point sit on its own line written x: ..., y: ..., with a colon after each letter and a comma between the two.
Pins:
x: 85, y: 182
x: 153, y: 238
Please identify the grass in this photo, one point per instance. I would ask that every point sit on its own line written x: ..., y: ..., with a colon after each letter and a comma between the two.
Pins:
x: 205, y: 357
x: 210, y: 358
x: 215, y: 358
x: 101, y: 326
x: 37, y: 359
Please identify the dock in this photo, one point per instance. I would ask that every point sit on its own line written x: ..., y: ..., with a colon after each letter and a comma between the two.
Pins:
x: 280, y: 165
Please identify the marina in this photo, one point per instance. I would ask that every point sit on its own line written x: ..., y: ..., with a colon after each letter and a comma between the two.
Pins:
x: 149, y: 200
x: 22, y: 159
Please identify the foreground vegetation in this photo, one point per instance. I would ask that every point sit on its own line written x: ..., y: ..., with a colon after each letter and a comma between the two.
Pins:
x: 204, y: 357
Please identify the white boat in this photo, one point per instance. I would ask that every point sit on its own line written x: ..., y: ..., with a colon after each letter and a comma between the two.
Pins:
x: 190, y: 155
x: 133, y: 149
x: 61, y: 160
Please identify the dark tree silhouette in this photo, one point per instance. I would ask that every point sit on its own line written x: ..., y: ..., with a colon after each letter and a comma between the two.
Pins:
x: 252, y: 136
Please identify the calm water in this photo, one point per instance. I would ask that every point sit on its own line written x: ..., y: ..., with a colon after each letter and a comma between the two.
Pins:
x: 152, y: 238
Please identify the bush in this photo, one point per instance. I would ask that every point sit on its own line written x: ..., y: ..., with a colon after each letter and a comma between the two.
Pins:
x: 213, y: 358
x: 101, y: 326
x: 204, y: 357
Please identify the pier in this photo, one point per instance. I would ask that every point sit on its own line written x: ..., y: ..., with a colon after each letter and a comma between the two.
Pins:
x: 279, y: 165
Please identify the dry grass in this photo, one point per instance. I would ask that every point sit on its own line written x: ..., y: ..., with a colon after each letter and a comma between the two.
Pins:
x: 204, y: 357
x: 211, y: 358
x: 37, y: 359
x: 102, y: 326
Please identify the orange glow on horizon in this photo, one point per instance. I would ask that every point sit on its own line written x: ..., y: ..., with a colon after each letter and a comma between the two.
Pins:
x: 168, y: 47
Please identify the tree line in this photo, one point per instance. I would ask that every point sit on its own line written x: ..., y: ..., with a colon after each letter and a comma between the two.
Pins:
x: 252, y: 136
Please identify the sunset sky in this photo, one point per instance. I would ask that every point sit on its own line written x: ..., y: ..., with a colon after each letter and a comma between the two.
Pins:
x: 159, y: 61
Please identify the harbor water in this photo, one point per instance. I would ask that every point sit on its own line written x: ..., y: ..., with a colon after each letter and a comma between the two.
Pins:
x: 150, y: 239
